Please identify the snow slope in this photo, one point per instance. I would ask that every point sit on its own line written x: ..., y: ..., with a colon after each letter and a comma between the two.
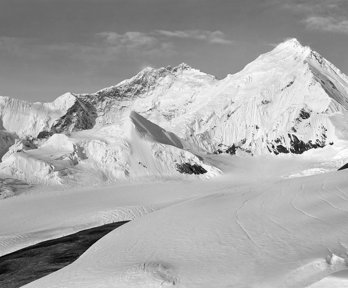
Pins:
x: 249, y: 227
x: 288, y: 233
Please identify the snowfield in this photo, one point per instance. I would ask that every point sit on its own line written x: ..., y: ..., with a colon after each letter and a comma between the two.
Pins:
x: 225, y: 232
x: 249, y: 227
x: 228, y: 183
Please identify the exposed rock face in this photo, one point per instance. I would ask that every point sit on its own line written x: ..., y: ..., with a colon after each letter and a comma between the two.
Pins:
x: 297, y: 146
x: 187, y: 168
x: 80, y: 116
x: 7, y: 139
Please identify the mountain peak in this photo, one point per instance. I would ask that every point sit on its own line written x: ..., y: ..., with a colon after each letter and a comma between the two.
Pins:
x: 291, y: 44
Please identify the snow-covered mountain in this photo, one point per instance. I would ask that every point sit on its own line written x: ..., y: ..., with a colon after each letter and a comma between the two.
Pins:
x: 266, y: 221
x: 163, y: 121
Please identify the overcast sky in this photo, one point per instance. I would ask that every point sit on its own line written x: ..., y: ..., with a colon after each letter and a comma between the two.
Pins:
x: 48, y: 47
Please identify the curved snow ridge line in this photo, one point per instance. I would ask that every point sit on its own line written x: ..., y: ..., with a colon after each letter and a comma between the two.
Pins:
x: 240, y: 223
x: 11, y: 243
x: 302, y: 211
x: 124, y: 214
x: 8, y: 244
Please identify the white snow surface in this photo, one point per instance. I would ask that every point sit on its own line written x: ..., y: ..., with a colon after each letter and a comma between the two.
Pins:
x: 250, y: 227
x: 251, y: 109
x: 103, y: 155
x: 263, y: 221
x: 288, y: 100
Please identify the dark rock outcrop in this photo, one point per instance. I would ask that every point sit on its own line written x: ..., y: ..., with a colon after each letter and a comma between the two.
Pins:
x: 80, y: 116
x: 345, y: 166
x: 187, y: 168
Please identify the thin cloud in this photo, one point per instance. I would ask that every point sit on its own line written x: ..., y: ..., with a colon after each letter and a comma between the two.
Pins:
x: 13, y: 44
x: 310, y: 6
x: 216, y: 37
x: 160, y: 38
x: 129, y: 40
x: 329, y: 24
x: 108, y: 46
x: 320, y: 15
x: 160, y: 42
x: 134, y: 42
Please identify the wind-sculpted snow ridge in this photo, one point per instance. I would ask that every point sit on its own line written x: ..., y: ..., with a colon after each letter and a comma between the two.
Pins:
x: 291, y: 234
x: 287, y: 101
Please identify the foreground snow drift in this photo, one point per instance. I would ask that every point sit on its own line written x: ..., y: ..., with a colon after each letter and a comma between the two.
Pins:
x: 287, y: 235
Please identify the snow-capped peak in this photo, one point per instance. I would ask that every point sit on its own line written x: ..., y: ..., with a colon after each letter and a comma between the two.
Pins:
x: 292, y: 43
x: 283, y: 102
x: 290, y: 47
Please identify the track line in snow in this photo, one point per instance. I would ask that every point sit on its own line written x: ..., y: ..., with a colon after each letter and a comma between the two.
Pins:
x: 302, y: 211
x: 342, y: 192
x: 239, y: 222
x: 328, y: 202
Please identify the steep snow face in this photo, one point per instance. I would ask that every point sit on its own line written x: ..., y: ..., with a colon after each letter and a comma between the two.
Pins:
x: 153, y: 132
x: 275, y: 104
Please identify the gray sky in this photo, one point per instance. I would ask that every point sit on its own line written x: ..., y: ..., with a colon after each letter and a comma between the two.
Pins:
x: 48, y: 47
